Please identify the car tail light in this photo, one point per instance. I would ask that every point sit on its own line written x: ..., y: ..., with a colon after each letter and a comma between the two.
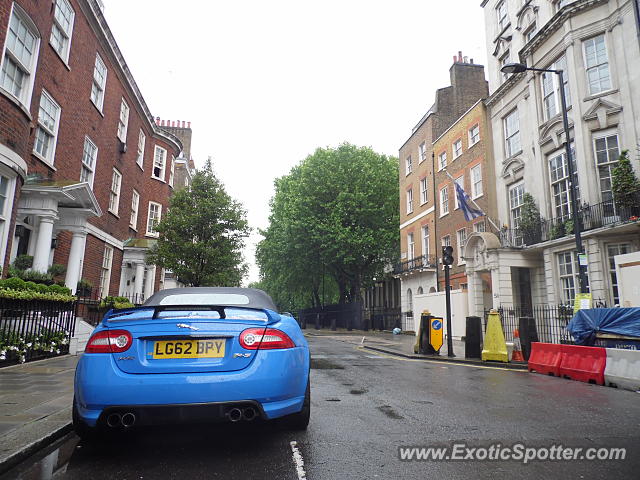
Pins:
x: 265, y: 339
x: 109, y: 341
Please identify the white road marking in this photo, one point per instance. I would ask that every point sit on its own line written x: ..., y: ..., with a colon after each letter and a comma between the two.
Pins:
x: 298, y: 460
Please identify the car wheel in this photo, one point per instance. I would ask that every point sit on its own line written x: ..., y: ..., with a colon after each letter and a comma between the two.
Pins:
x: 84, y: 431
x: 300, y: 420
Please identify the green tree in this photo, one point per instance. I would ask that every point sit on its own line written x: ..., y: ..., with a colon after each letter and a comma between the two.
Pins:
x: 530, y: 220
x: 624, y: 183
x: 202, y: 236
x: 334, y: 222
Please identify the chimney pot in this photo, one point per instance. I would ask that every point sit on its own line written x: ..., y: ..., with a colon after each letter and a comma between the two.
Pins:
x: 459, y: 55
x: 455, y: 59
x: 162, y: 123
x: 183, y: 123
x: 466, y: 59
x: 471, y: 61
x: 188, y: 124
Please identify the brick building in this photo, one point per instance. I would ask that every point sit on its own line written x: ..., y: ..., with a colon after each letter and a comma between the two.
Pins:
x: 85, y: 172
x: 418, y: 227
x: 464, y: 152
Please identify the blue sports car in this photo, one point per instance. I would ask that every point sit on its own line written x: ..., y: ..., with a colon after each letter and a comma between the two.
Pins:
x: 192, y: 355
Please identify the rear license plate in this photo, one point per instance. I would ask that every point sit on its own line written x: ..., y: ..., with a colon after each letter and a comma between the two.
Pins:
x: 210, y: 348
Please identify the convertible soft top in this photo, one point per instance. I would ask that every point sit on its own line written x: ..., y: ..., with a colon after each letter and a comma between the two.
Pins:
x: 220, y: 296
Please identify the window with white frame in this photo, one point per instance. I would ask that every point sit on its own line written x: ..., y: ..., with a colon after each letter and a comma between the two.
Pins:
x: 89, y: 158
x: 606, y: 153
x: 446, y: 241
x: 516, y: 200
x: 20, y: 56
x: 63, y: 16
x: 462, y: 240
x: 159, y: 162
x: 123, y: 121
x: 568, y: 273
x: 425, y: 240
x: 457, y: 148
x: 422, y: 152
x: 114, y: 194
x: 476, y: 182
x: 423, y: 191
x: 612, y: 251
x: 559, y: 175
x: 480, y: 227
x: 442, y: 161
x: 99, y: 82
x: 409, y: 165
x: 512, y: 133
x: 409, y: 201
x: 172, y: 170
x: 105, y: 271
x: 531, y: 31
x: 142, y: 139
x: 135, y: 205
x: 597, y: 63
x: 6, y: 203
x: 459, y: 181
x: 44, y: 145
x: 504, y: 60
x: 411, y: 247
x: 153, y: 218
x: 474, y: 135
x: 551, y: 88
x: 444, y: 201
x: 502, y: 15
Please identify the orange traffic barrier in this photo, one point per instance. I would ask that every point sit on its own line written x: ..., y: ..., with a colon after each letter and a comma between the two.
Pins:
x: 585, y: 364
x: 545, y: 358
x: 516, y: 356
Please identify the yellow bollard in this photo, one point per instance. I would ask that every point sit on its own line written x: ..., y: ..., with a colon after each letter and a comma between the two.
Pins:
x: 495, y: 347
x: 416, y: 347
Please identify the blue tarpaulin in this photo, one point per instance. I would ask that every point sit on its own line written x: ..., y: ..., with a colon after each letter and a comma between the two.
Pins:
x: 618, y: 321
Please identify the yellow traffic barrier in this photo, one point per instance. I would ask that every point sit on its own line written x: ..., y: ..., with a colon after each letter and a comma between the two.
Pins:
x: 495, y: 348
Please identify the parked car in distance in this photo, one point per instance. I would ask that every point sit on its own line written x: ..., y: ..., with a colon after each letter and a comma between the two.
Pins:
x: 192, y: 355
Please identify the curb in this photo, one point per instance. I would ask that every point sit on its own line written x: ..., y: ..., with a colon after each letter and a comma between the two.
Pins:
x: 35, y: 362
x: 25, y: 452
x: 510, y: 366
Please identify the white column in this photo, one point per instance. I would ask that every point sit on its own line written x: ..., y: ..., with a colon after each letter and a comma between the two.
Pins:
x: 137, y: 285
x: 495, y: 287
x: 43, y: 245
x: 76, y: 253
x: 150, y: 283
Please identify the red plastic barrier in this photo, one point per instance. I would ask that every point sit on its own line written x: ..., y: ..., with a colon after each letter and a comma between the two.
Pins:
x: 585, y: 364
x: 545, y: 358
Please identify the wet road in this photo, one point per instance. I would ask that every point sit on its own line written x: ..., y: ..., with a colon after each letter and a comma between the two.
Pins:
x: 364, y: 407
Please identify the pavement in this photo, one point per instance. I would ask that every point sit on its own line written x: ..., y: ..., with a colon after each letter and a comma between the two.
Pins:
x: 402, y: 345
x: 36, y: 398
x: 35, y: 406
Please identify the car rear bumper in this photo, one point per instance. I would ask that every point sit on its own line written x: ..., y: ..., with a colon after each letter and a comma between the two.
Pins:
x: 275, y: 381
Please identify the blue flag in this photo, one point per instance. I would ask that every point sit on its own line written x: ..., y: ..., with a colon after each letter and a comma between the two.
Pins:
x: 464, y: 202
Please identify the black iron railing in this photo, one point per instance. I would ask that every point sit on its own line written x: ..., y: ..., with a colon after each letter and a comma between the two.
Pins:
x: 91, y: 308
x: 34, y: 329
x: 595, y: 216
x: 417, y: 263
x: 382, y: 318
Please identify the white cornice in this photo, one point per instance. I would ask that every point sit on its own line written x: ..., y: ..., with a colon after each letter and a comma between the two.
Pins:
x: 417, y: 217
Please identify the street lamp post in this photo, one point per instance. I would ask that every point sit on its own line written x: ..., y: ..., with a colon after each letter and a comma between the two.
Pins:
x: 582, y: 267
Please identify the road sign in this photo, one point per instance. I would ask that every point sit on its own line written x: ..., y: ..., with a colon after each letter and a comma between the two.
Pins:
x: 435, y: 333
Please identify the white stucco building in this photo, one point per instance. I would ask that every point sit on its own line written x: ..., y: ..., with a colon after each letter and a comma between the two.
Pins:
x: 597, y: 45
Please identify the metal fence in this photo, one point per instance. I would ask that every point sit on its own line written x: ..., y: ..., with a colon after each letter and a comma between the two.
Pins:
x: 550, y: 321
x: 90, y: 310
x: 594, y: 216
x: 381, y: 318
x: 34, y: 329
x: 343, y: 315
x: 417, y: 263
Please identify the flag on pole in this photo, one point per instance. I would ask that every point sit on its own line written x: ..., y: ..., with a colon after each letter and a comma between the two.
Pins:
x: 464, y: 202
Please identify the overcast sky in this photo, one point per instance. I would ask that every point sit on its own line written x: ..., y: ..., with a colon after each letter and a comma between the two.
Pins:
x: 266, y: 82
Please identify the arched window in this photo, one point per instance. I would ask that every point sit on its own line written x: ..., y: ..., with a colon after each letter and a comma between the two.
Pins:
x: 420, y: 291
x: 409, y: 301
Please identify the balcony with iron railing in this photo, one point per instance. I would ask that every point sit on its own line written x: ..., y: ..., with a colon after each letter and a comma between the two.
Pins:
x: 599, y: 215
x: 423, y: 262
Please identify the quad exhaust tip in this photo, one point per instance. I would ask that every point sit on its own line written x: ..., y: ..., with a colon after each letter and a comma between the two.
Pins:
x: 114, y: 420
x: 249, y: 414
x: 235, y: 415
x: 128, y: 420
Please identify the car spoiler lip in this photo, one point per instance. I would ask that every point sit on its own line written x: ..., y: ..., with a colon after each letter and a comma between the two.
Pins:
x: 121, y: 314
